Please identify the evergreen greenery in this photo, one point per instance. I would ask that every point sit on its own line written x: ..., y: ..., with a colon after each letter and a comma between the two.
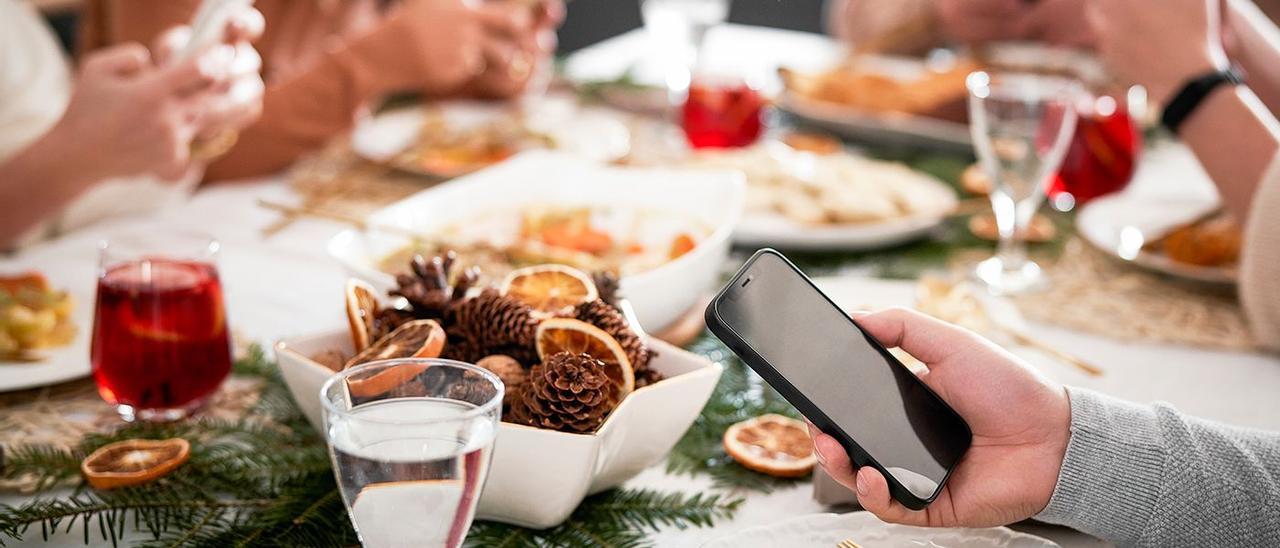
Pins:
x: 266, y: 480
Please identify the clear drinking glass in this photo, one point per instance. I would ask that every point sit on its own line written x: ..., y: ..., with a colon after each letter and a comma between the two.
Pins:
x: 160, y: 341
x: 410, y: 441
x: 676, y: 31
x: 1022, y: 125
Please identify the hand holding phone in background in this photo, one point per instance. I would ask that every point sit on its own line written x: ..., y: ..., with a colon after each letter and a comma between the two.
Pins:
x: 1020, y: 422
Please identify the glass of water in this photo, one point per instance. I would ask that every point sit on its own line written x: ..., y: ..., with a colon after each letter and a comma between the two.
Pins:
x: 410, y: 441
x: 1022, y: 125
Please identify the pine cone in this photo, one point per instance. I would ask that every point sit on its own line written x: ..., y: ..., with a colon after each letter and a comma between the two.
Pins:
x: 568, y: 392
x: 386, y: 320
x: 431, y: 289
x: 491, y: 320
x: 646, y: 377
x: 510, y: 371
x: 607, y: 317
x: 606, y: 285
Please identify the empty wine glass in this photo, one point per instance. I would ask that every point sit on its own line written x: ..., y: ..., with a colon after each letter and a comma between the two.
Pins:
x: 410, y: 441
x: 1021, y: 125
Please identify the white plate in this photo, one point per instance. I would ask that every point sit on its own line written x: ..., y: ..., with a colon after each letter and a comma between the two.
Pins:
x: 64, y: 363
x: 1120, y: 224
x: 761, y: 229
x: 826, y: 530
x: 590, y: 133
x: 659, y: 295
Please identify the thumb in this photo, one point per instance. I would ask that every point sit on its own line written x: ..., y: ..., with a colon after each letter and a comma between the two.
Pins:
x: 121, y: 60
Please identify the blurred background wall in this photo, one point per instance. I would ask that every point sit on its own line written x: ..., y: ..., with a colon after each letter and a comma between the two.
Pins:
x: 590, y: 21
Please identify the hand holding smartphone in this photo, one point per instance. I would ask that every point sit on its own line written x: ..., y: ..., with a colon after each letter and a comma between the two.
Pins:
x: 839, y: 377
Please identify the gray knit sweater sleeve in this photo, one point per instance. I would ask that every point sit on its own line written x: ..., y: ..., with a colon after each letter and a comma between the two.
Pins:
x: 1141, y: 475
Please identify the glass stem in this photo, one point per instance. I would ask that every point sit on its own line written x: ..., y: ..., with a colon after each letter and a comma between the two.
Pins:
x: 1011, y: 220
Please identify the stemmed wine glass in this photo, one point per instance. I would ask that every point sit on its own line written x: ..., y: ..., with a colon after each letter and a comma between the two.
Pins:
x: 1021, y: 125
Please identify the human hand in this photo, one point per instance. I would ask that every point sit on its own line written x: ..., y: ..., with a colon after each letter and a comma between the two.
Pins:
x: 129, y: 117
x: 980, y: 21
x: 1020, y: 422
x: 1159, y: 45
x: 447, y: 43
x: 1058, y: 22
x: 236, y: 101
x: 511, y: 73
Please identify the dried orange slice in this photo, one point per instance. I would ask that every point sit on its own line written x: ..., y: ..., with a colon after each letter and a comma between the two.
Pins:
x: 558, y: 335
x: 362, y: 304
x: 551, y: 289
x: 416, y: 339
x: 771, y: 444
x: 133, y: 462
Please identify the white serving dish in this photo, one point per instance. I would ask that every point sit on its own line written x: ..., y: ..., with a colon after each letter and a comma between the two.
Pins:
x: 863, y: 528
x: 660, y: 295
x: 538, y: 477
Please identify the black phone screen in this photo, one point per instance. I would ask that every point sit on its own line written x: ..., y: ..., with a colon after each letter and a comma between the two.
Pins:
x: 864, y: 391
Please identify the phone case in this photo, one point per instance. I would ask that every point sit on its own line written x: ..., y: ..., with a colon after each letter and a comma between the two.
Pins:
x: 796, y: 398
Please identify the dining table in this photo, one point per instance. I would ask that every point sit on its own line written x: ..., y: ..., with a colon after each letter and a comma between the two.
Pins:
x: 285, y: 284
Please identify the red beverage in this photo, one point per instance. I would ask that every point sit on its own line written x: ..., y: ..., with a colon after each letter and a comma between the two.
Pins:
x: 722, y: 116
x: 1103, y: 155
x: 160, y: 342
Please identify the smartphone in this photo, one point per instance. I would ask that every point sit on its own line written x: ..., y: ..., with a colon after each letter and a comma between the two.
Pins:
x: 839, y: 377
x: 208, y: 24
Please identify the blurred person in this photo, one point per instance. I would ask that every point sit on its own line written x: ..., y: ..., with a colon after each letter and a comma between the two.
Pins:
x: 1227, y: 125
x: 118, y: 138
x: 326, y: 61
x: 1135, y: 475
x: 916, y: 26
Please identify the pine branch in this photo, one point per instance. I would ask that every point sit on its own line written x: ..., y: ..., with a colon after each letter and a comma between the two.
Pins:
x: 108, y: 512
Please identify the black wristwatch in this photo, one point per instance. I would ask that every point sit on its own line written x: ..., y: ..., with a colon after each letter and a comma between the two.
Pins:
x: 1194, y: 93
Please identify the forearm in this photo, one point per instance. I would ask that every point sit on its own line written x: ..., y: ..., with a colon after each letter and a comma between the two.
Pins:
x: 43, y: 178
x: 1235, y: 138
x: 1255, y: 45
x: 1150, y: 476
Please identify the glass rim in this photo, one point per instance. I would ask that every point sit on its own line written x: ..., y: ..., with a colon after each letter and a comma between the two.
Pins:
x: 479, y: 410
x: 980, y: 81
x: 132, y: 246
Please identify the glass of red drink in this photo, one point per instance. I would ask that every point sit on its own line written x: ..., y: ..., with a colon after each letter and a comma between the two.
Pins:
x: 160, y: 341
x: 722, y: 113
x: 1104, y: 150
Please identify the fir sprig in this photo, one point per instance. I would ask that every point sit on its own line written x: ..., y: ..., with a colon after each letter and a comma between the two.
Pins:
x: 621, y: 518
x: 739, y: 396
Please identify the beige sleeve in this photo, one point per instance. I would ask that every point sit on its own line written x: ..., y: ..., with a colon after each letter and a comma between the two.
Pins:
x: 1260, y: 268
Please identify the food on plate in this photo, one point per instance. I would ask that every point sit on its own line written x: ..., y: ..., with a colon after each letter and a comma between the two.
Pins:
x: 450, y: 150
x: 545, y: 328
x: 771, y: 444
x: 939, y: 94
x: 831, y: 189
x: 815, y: 143
x: 133, y: 462
x: 1211, y: 241
x: 33, y: 316
x: 551, y: 290
x: 621, y: 240
x: 1041, y: 229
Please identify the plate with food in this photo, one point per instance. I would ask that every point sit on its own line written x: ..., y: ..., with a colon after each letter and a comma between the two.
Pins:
x: 864, y: 530
x: 43, y: 332
x: 450, y: 139
x: 663, y: 232
x: 886, y: 99
x: 807, y: 196
x: 1188, y: 237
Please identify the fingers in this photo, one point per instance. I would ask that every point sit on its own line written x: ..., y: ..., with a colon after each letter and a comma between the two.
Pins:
x: 928, y: 339
x: 245, y: 25
x: 170, y: 42
x: 833, y: 458
x: 121, y: 60
x: 198, y: 72
x: 502, y: 21
x: 873, y: 495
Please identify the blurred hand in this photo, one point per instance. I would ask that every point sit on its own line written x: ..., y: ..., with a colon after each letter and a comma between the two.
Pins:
x: 1020, y: 422
x: 509, y: 73
x: 1059, y: 22
x: 980, y: 21
x: 1160, y: 45
x: 236, y: 100
x: 129, y: 117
